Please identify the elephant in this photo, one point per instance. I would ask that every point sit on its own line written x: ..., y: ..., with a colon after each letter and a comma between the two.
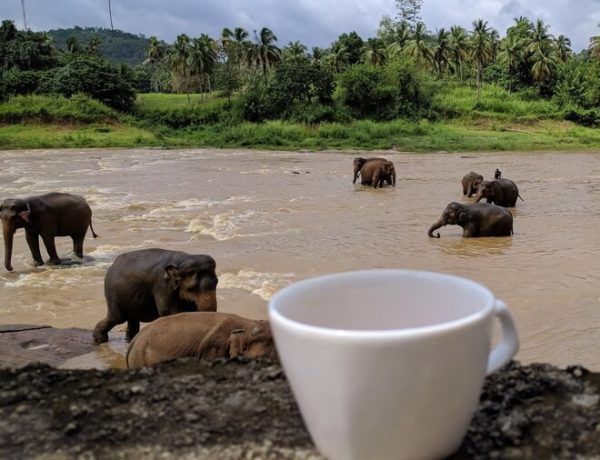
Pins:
x: 376, y: 171
x: 470, y: 181
x: 50, y: 215
x: 359, y: 163
x: 146, y: 284
x: 476, y: 219
x: 497, y: 174
x: 201, y: 335
x: 503, y: 192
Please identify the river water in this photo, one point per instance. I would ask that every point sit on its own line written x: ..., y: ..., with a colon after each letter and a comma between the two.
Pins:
x: 271, y: 218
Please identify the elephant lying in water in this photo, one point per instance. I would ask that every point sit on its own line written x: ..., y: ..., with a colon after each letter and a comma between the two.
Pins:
x: 146, y: 284
x: 477, y: 219
x: 201, y: 335
x: 48, y: 216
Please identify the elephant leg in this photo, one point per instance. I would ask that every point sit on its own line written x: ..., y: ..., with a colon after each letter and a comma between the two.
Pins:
x: 51, y: 248
x: 78, y: 245
x: 102, y: 328
x: 33, y: 242
x: 133, y: 327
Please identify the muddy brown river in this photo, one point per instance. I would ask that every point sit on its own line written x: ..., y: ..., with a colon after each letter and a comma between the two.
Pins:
x: 271, y: 218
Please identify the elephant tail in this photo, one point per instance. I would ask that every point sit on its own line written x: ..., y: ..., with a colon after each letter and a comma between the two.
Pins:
x: 94, y: 234
x: 520, y: 197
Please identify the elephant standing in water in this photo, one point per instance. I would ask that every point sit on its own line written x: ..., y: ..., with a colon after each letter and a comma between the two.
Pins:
x: 470, y: 181
x: 374, y: 171
x: 201, y: 335
x: 477, y: 219
x: 503, y: 192
x: 146, y: 284
x: 48, y: 216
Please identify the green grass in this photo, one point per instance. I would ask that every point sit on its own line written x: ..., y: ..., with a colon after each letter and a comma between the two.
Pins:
x: 499, y: 122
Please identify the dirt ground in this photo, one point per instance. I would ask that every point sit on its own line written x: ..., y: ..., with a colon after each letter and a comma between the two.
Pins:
x: 239, y: 409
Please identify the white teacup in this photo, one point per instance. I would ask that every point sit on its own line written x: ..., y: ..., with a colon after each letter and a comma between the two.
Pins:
x: 388, y: 364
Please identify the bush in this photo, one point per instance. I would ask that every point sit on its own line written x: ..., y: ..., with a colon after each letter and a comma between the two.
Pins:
x: 583, y: 117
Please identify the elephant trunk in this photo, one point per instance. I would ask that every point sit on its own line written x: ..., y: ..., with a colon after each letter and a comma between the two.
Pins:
x: 8, y: 232
x: 438, y: 224
x: 478, y: 197
x: 207, y: 301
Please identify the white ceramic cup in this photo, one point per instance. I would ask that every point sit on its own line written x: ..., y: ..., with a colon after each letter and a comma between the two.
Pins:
x: 388, y: 364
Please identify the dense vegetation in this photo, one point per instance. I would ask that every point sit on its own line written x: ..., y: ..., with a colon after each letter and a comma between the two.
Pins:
x: 468, y: 87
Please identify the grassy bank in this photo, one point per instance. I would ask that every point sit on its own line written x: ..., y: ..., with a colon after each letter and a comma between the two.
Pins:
x: 499, y: 121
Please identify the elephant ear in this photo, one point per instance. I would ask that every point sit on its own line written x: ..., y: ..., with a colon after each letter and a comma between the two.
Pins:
x: 172, y: 276
x: 236, y: 343
x: 462, y: 217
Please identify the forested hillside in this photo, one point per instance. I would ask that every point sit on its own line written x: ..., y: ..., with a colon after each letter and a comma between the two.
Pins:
x: 116, y: 46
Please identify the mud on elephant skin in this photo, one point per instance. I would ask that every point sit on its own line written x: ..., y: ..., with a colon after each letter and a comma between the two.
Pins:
x: 477, y: 219
x: 374, y: 171
x: 469, y: 182
x: 503, y: 192
x: 201, y: 335
x: 50, y: 215
x: 143, y: 285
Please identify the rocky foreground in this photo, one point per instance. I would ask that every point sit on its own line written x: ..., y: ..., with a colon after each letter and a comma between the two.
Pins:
x: 187, y: 409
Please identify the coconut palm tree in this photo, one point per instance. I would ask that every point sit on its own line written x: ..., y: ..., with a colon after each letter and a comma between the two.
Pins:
x: 294, y: 50
x: 594, y: 46
x: 236, y: 44
x: 178, y: 61
x: 201, y: 60
x: 511, y: 52
x: 156, y: 51
x: 540, y: 37
x: 441, y: 52
x: 562, y: 46
x: 417, y: 46
x: 459, y: 46
x: 264, y: 52
x: 480, y: 49
x: 544, y: 63
x: 338, y: 57
x: 401, y: 37
x: 494, y: 44
x: 373, y: 52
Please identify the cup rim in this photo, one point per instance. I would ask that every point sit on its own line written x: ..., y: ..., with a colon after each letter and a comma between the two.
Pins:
x: 277, y: 317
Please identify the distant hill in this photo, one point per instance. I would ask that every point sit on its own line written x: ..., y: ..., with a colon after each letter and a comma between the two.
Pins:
x: 116, y: 46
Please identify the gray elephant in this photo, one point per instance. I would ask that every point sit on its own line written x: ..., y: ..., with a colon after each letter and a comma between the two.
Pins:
x: 359, y: 162
x: 470, y: 181
x: 477, y: 219
x: 48, y: 216
x: 146, y: 284
x: 377, y: 171
x: 503, y: 192
x: 201, y: 335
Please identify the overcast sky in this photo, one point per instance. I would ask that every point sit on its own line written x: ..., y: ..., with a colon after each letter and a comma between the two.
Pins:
x: 312, y: 22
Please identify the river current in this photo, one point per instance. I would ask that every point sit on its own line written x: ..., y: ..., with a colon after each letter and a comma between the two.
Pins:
x: 271, y: 218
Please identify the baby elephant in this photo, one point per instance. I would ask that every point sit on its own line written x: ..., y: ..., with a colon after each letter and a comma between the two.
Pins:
x: 503, y: 192
x: 477, y: 219
x: 374, y: 171
x: 469, y: 182
x: 201, y: 335
x: 146, y: 284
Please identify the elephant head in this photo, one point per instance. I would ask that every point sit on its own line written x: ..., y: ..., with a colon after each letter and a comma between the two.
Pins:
x: 358, y: 164
x: 486, y: 189
x: 389, y: 172
x: 454, y: 214
x: 195, y: 281
x: 255, y: 342
x: 14, y: 214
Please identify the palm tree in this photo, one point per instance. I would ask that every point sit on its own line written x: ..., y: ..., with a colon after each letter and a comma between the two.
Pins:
x: 374, y: 52
x: 494, y: 44
x: 594, y: 46
x: 236, y: 44
x: 295, y: 50
x: 480, y: 49
x: 93, y: 46
x: 317, y: 54
x: 401, y: 37
x: 72, y: 45
x: 338, y: 57
x: 540, y: 37
x: 156, y: 51
x: 201, y: 60
x: 264, y: 52
x: 441, y: 51
x: 178, y: 61
x: 459, y: 45
x: 417, y: 47
x: 511, y: 50
x: 563, y: 48
x: 544, y: 63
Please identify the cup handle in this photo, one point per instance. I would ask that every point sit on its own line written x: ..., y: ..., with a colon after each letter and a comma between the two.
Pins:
x: 509, y: 344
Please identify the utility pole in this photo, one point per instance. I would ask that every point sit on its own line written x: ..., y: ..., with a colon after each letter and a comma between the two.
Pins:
x: 110, y: 14
x: 24, y: 17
